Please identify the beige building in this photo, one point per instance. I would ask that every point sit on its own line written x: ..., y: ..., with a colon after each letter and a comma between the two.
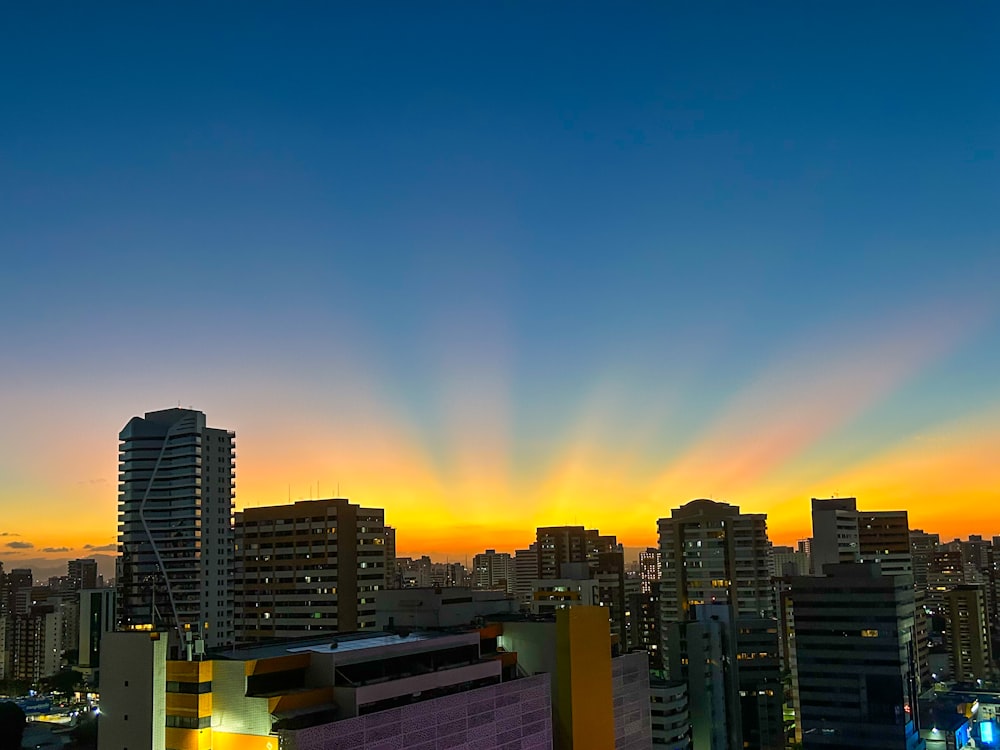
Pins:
x: 133, y: 691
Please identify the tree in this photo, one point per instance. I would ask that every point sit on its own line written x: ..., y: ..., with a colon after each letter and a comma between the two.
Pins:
x: 66, y: 681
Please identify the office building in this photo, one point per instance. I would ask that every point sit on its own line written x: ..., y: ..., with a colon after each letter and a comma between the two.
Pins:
x: 714, y: 556
x: 175, y: 536
x: 853, y: 658
x: 967, y: 633
x: 314, y: 565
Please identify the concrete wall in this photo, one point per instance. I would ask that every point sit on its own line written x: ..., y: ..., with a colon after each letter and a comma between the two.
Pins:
x: 515, y: 715
x: 133, y: 688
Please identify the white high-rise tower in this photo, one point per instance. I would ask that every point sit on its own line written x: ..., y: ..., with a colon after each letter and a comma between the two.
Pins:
x: 175, y: 526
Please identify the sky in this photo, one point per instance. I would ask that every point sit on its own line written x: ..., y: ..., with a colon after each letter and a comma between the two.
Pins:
x: 491, y: 266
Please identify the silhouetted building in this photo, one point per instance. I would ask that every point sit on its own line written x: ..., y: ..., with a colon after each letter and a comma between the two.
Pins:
x: 967, y: 632
x: 853, y: 656
x: 716, y: 557
x: 82, y: 574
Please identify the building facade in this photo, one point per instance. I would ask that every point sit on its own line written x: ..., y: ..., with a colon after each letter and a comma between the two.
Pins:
x: 967, y: 633
x: 314, y: 565
x: 716, y: 557
x: 175, y: 535
x: 853, y: 656
x: 493, y: 570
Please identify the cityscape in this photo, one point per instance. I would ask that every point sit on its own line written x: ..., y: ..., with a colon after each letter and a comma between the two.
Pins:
x: 296, y: 625
x: 499, y: 376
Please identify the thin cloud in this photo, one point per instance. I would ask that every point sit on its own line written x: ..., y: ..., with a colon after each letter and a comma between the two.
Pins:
x: 55, y: 549
x: 102, y: 547
x: 20, y: 545
x: 9, y: 533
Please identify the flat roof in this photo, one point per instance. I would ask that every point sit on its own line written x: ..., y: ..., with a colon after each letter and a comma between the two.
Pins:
x: 322, y: 644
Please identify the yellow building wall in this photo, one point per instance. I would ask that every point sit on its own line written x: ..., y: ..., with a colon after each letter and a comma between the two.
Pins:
x: 189, y: 705
x: 189, y: 671
x: 188, y: 739
x: 232, y: 741
x: 584, y: 710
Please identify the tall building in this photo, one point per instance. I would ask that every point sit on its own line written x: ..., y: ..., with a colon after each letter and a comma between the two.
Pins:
x: 842, y: 533
x: 559, y: 545
x: 968, y: 633
x: 36, y: 643
x: 853, y: 658
x: 97, y: 618
x: 786, y: 561
x: 922, y: 549
x: 391, y: 574
x: 175, y: 535
x: 525, y: 573
x: 309, y: 566
x: 650, y: 565
x: 82, y: 574
x: 493, y: 570
x: 718, y: 558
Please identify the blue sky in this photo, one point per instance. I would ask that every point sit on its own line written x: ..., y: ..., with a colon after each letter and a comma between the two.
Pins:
x: 522, y: 226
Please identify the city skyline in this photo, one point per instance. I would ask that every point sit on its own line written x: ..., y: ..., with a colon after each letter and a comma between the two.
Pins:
x: 492, y: 275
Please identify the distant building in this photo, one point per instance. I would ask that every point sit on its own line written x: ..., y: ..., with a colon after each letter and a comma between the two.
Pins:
x: 35, y: 644
x: 432, y: 608
x: 968, y: 633
x: 391, y: 574
x: 922, y: 549
x: 314, y: 565
x: 786, y: 561
x: 97, y: 618
x: 854, y: 639
x: 82, y: 574
x: 493, y: 570
x: 561, y: 545
x: 525, y: 572
x: 175, y: 538
x: 650, y: 569
x: 842, y: 533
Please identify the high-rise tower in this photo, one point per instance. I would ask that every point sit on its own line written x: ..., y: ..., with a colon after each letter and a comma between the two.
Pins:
x: 175, y: 526
x: 716, y: 584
